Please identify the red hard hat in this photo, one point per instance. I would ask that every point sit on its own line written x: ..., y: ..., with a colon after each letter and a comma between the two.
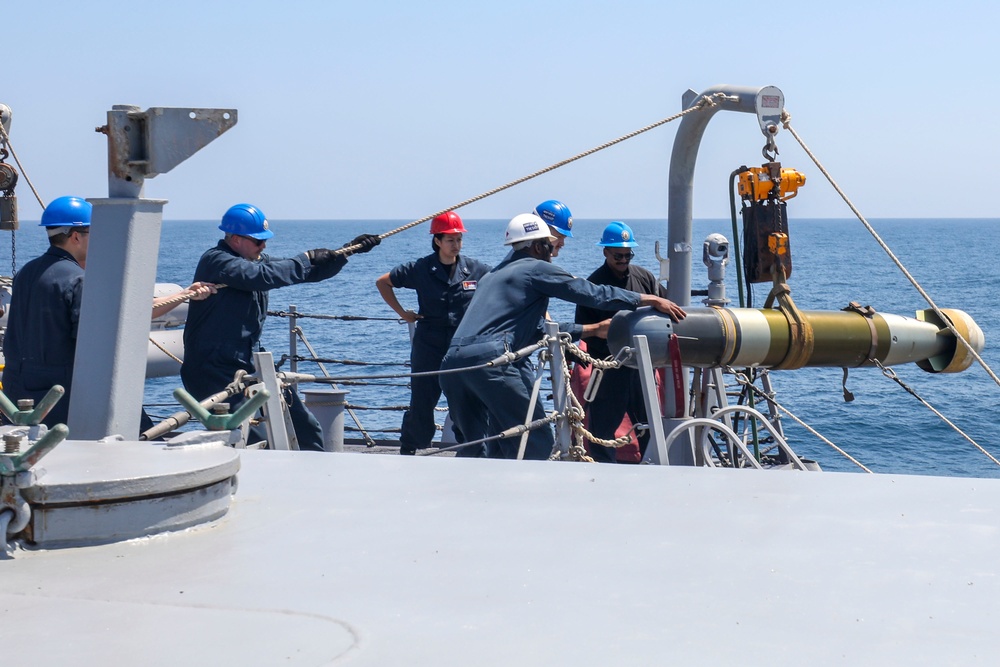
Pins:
x: 447, y: 223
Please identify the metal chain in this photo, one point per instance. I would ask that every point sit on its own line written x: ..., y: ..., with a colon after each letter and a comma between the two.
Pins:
x: 346, y: 318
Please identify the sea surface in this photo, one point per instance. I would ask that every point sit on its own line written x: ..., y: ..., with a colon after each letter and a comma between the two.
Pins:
x: 834, y: 262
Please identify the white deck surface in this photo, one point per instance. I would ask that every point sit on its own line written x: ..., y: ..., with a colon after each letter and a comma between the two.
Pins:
x: 388, y: 560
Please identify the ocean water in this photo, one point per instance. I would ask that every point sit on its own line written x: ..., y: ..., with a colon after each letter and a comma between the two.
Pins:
x: 834, y: 262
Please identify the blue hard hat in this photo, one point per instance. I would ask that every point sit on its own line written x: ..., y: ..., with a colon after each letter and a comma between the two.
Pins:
x: 246, y: 220
x: 617, y: 235
x: 556, y: 214
x: 67, y: 212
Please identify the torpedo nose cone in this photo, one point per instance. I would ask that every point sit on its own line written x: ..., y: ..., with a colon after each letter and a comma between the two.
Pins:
x: 956, y: 357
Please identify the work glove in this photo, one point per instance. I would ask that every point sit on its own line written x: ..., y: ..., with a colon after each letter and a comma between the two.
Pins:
x: 319, y: 256
x: 366, y: 241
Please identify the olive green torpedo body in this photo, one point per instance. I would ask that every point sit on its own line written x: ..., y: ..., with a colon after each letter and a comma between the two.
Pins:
x: 769, y: 338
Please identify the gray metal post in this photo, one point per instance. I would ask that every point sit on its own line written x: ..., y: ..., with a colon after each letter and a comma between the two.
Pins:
x: 112, y: 339
x: 656, y: 451
x: 113, y: 335
x: 560, y: 398
x: 681, y: 181
x: 768, y: 104
x: 280, y: 433
x: 327, y: 405
x: 293, y: 340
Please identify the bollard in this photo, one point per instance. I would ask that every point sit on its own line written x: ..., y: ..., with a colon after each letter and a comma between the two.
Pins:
x: 327, y: 405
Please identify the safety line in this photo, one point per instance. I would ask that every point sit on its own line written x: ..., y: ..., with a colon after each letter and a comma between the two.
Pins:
x: 745, y: 381
x: 786, y: 118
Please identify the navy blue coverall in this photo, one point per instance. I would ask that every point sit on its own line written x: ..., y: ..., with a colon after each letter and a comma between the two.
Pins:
x: 40, y: 344
x: 506, y: 315
x: 223, y: 331
x: 443, y: 294
x: 620, y: 390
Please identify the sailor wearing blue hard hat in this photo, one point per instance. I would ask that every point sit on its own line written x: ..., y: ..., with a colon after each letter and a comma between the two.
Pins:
x: 560, y: 221
x: 223, y: 332
x: 620, y: 392
x: 506, y: 315
x: 40, y: 342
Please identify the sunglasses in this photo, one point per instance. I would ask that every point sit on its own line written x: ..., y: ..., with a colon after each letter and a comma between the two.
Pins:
x: 256, y: 242
x: 623, y: 256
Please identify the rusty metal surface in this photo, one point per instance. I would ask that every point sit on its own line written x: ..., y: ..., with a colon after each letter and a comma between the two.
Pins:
x: 143, y: 144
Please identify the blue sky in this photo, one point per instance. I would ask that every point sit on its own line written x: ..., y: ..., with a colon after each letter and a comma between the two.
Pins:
x: 384, y: 109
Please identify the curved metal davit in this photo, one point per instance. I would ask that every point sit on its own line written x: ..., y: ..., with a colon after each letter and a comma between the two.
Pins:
x: 768, y: 103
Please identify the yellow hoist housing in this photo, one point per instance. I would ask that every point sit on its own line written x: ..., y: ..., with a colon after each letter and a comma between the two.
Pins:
x: 757, y: 183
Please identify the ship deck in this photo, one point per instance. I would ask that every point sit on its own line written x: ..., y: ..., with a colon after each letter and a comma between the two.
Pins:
x: 389, y: 560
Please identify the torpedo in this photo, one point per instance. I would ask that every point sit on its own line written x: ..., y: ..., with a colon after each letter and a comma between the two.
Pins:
x: 768, y: 338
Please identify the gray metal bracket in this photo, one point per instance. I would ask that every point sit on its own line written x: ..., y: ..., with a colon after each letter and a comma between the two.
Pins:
x: 656, y: 451
x: 144, y: 144
x: 280, y: 434
x: 560, y: 390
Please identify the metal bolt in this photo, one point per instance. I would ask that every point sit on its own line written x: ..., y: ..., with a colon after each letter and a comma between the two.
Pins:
x: 220, y: 409
x: 26, y: 404
x: 12, y: 443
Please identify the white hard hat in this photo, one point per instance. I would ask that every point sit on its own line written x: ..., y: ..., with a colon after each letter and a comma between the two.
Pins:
x: 526, y: 227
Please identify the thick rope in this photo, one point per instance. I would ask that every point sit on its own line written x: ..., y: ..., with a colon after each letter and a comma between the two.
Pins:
x: 603, y: 364
x: 165, y: 351
x: 786, y: 122
x: 576, y: 412
x: 704, y: 102
x: 181, y: 297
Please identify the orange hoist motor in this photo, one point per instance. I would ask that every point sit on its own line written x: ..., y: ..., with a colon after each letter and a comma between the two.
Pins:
x: 764, y: 191
x: 757, y: 183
